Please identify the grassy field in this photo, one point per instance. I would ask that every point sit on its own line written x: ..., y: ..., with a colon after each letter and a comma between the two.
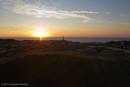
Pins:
x: 67, y: 69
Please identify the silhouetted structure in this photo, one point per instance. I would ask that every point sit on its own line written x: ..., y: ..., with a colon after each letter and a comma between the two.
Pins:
x: 63, y: 38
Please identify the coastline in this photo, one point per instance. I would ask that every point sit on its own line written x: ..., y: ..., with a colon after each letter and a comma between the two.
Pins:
x: 74, y: 39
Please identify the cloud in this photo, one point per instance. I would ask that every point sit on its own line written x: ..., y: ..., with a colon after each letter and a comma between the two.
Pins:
x: 25, y: 7
x: 85, y: 12
x: 107, y: 13
x: 40, y: 10
x: 112, y: 22
x: 125, y: 23
x: 123, y: 15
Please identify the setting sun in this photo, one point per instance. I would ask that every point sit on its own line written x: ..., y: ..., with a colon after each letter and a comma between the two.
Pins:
x: 40, y: 34
x: 39, y: 31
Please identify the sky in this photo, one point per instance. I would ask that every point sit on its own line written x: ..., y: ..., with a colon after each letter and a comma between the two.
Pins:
x: 69, y: 18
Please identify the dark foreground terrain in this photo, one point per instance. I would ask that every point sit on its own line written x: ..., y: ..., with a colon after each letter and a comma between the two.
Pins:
x: 67, y: 69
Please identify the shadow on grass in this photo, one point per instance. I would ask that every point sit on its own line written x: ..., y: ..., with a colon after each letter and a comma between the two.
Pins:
x: 61, y: 70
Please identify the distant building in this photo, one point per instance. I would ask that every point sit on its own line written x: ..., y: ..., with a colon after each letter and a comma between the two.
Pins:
x: 63, y: 38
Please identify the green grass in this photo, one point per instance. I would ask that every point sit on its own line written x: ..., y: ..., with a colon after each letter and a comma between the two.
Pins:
x: 68, y: 69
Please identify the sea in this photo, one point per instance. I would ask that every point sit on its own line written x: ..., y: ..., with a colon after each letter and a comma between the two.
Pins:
x: 74, y: 39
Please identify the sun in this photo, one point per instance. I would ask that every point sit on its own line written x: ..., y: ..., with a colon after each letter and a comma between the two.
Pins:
x: 40, y: 34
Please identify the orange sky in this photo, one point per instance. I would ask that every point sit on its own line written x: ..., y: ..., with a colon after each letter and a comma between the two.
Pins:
x: 23, y: 18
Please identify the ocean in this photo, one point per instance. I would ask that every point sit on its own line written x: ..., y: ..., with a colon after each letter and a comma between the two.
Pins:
x: 74, y: 39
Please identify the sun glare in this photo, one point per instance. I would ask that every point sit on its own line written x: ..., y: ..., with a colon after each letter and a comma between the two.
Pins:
x: 40, y: 34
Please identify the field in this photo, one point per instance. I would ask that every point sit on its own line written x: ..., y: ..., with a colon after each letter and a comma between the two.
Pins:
x: 116, y: 44
x: 67, y: 69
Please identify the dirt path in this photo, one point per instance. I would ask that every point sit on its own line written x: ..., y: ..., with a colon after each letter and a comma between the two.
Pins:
x: 112, y: 48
